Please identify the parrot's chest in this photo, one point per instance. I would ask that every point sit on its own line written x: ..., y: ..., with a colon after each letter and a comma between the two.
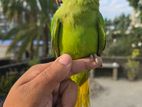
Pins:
x: 78, y: 39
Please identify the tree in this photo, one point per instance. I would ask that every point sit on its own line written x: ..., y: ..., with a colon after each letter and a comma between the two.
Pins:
x: 118, y: 42
x: 32, y: 25
x: 134, y: 3
x: 136, y: 31
x: 137, y: 5
x: 121, y: 23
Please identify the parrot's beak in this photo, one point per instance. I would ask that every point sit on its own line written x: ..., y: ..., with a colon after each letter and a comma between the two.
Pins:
x: 59, y: 2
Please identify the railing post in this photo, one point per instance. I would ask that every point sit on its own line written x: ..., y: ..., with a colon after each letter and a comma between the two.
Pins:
x: 115, y: 71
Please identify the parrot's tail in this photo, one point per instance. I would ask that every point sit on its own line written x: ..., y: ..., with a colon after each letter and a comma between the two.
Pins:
x: 83, y: 99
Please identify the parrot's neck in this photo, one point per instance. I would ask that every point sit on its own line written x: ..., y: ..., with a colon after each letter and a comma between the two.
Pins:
x: 94, y: 4
x: 79, y: 6
x: 88, y: 2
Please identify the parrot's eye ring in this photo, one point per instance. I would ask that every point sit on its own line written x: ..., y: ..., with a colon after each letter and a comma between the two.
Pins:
x: 59, y: 2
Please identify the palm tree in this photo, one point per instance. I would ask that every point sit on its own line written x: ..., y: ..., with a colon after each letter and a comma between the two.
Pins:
x: 32, y: 24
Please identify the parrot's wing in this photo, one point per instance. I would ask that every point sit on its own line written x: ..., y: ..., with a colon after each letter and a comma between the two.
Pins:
x: 55, y: 32
x: 101, y: 34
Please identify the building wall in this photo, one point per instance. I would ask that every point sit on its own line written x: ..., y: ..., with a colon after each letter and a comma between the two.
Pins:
x: 3, y: 55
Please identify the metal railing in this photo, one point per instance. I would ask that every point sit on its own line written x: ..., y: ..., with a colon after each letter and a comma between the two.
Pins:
x: 20, y: 66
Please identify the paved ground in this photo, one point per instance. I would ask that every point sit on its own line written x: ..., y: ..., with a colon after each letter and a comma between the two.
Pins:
x: 121, y: 93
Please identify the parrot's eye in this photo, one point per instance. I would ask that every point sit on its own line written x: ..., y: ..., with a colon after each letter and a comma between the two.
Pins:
x: 59, y: 2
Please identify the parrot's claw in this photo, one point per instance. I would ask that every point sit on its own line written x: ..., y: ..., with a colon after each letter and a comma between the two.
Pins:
x: 93, y: 56
x: 96, y: 58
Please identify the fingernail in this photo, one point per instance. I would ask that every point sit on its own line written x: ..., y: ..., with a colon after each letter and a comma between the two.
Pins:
x: 97, y: 60
x: 66, y: 60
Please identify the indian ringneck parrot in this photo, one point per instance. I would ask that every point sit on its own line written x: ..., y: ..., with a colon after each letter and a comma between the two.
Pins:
x: 77, y: 29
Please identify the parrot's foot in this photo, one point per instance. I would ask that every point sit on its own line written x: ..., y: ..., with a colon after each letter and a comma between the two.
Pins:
x: 97, y: 59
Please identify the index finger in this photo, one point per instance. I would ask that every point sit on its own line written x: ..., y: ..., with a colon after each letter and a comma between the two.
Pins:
x: 85, y: 64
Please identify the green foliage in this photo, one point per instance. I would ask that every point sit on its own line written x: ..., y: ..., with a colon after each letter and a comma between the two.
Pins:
x: 6, y: 82
x: 136, y: 53
x: 137, y: 34
x: 137, y: 5
x: 120, y: 37
x: 121, y: 23
x: 119, y: 30
x: 121, y: 47
x: 118, y: 42
x: 32, y: 23
x: 134, y: 3
x: 132, y: 68
x: 33, y: 62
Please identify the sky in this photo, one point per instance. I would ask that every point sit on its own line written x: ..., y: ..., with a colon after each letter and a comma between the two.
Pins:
x: 113, y: 8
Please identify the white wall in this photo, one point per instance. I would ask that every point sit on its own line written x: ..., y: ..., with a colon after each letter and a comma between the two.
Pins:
x: 3, y: 49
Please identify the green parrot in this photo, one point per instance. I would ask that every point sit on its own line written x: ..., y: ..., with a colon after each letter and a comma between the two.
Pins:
x: 77, y: 29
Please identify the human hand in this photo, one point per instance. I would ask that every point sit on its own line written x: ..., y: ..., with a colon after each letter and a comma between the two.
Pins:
x: 47, y: 85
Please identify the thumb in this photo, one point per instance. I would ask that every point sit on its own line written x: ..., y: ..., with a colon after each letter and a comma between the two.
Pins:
x: 56, y: 72
x: 60, y: 68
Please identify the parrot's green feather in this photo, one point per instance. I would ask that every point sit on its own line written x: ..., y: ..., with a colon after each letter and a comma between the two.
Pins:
x: 78, y: 30
x: 101, y: 34
x: 55, y: 26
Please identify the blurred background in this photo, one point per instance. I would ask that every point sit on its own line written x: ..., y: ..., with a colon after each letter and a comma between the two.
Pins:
x: 25, y: 41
